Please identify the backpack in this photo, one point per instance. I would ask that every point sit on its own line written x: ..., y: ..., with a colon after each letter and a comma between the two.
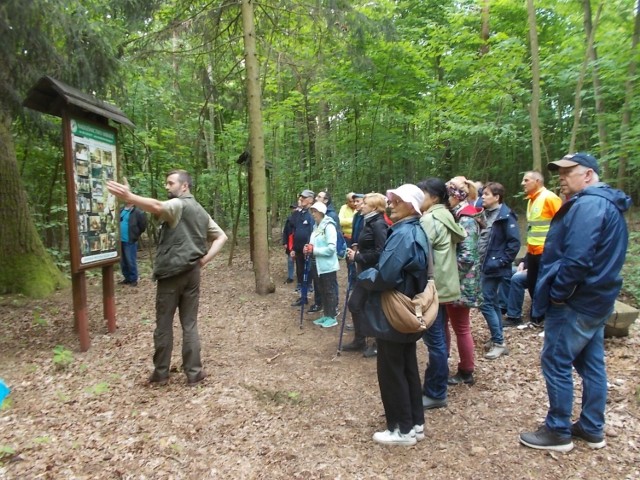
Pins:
x: 341, y: 243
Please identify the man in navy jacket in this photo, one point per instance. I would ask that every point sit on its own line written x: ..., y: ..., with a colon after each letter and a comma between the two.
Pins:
x: 577, y: 286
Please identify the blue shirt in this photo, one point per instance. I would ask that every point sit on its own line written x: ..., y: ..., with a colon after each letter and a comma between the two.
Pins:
x: 124, y: 224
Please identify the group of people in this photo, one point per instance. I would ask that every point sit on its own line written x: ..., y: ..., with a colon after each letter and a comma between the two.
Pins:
x: 574, y: 257
x: 575, y: 251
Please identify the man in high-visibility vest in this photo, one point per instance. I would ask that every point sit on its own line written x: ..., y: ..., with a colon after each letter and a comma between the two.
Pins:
x: 543, y: 205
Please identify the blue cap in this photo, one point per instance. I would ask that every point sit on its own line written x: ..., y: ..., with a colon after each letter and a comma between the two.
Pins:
x: 573, y: 159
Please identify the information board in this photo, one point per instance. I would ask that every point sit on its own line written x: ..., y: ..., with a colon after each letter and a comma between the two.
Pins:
x: 94, y: 162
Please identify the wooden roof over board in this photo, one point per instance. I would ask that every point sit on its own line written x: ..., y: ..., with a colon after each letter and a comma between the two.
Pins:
x: 51, y: 96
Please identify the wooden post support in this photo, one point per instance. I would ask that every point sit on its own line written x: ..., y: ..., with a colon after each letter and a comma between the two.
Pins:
x: 108, y: 298
x: 90, y: 159
x: 80, y: 315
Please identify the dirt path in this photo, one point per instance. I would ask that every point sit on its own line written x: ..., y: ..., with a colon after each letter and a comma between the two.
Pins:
x: 278, y: 403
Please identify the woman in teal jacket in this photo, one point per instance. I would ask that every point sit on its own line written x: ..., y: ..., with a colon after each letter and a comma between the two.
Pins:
x: 322, y: 246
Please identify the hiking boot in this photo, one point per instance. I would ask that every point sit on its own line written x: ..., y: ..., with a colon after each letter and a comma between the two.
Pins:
x: 349, y: 327
x: 124, y: 282
x: 545, y: 439
x: 461, y: 377
x: 297, y: 303
x: 197, y: 379
x: 371, y: 351
x: 512, y: 322
x: 429, y: 403
x: 488, y: 344
x: 289, y: 280
x: 156, y: 379
x: 497, y: 350
x: 537, y: 322
x: 419, y: 432
x: 329, y: 322
x: 594, y: 441
x: 357, y: 345
x: 320, y: 321
x: 133, y: 284
x: 395, y: 438
x: 314, y: 308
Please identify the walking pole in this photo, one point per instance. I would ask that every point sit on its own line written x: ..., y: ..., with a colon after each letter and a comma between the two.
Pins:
x: 304, y: 286
x: 344, y: 316
x: 346, y: 303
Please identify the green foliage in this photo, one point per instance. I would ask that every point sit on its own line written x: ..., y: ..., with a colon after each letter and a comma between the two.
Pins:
x: 38, y: 319
x: 631, y: 269
x: 98, y: 389
x: 6, y: 453
x: 356, y: 95
x: 62, y: 357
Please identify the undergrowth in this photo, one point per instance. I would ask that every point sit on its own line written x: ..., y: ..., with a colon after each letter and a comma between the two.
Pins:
x: 631, y: 270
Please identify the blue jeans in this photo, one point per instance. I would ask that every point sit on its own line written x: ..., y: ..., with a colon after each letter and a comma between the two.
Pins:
x: 490, y: 307
x: 437, y: 372
x: 572, y: 338
x: 129, y: 261
x: 290, y: 267
x: 517, y: 287
x: 504, y: 289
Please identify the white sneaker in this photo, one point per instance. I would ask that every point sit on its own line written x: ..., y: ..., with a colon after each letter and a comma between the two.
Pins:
x: 496, y: 351
x: 395, y: 438
x: 419, y: 432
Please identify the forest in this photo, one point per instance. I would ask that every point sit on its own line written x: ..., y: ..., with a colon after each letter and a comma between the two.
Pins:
x: 353, y: 96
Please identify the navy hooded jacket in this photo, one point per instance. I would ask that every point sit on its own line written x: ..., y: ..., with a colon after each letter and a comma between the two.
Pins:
x: 584, y: 252
x: 503, y: 244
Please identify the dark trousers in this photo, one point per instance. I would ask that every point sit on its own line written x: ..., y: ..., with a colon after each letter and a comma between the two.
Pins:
x: 180, y: 292
x: 533, y: 267
x: 400, y: 388
x: 326, y: 284
x: 299, y: 260
x: 317, y: 289
x: 357, y: 300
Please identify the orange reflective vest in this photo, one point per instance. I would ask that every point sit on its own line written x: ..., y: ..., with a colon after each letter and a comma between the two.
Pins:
x: 537, y: 225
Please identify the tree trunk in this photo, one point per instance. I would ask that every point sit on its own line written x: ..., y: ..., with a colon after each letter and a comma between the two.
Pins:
x: 535, y: 88
x: 484, y: 33
x: 264, y: 284
x: 597, y: 88
x: 626, y: 108
x: 577, y: 107
x: 26, y: 266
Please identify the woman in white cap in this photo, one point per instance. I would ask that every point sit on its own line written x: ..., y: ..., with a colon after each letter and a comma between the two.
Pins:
x: 322, y: 247
x: 402, y: 266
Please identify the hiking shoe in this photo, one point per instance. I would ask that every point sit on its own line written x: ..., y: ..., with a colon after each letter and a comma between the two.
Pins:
x: 488, y: 345
x: 314, y: 308
x: 395, y: 438
x: 497, y: 350
x: 594, y: 441
x: 156, y: 379
x: 429, y: 403
x: 349, y: 327
x: 419, y: 432
x: 329, y: 322
x: 460, y: 378
x: 289, y: 280
x: 545, y: 439
x: 371, y: 351
x: 355, y: 346
x: 511, y: 322
x: 197, y: 379
x: 320, y: 321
